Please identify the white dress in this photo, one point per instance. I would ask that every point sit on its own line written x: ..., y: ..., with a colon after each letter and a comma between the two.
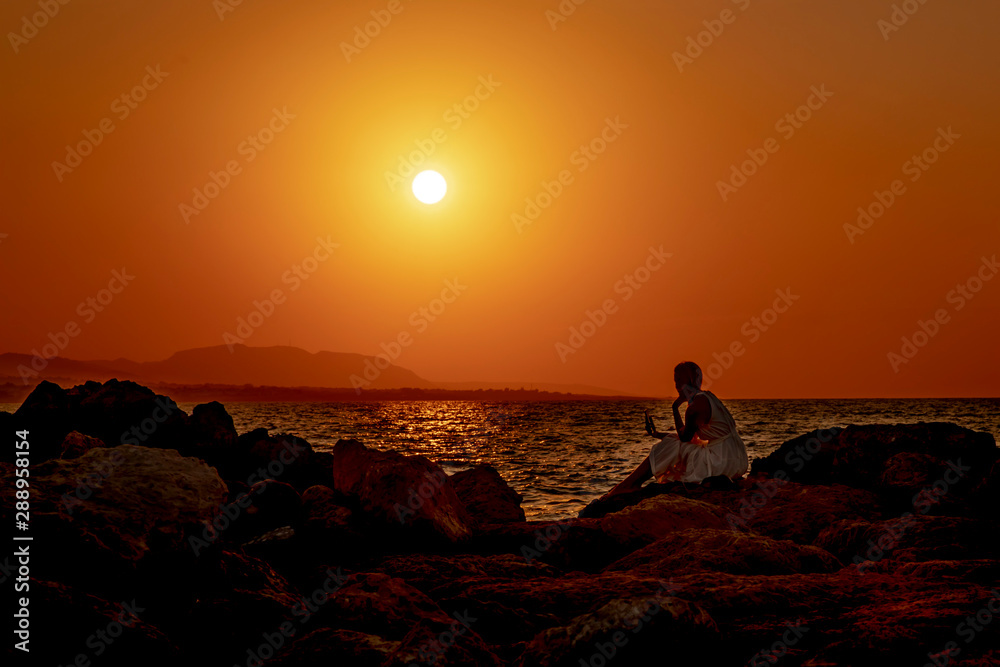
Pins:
x: 717, y: 450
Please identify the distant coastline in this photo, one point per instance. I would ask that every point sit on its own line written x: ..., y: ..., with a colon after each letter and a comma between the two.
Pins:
x: 224, y: 393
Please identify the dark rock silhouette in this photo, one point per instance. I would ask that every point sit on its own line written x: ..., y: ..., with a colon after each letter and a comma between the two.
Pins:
x: 486, y: 496
x: 856, y: 546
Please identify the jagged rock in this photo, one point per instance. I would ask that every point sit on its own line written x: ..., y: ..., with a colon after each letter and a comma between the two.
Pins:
x: 860, y: 456
x: 910, y: 538
x: 114, y: 412
x: 453, y: 645
x: 67, y: 622
x: 239, y: 599
x: 352, y: 649
x: 799, y: 512
x: 656, y: 517
x: 631, y: 631
x: 400, y: 492
x: 45, y: 414
x: 323, y: 511
x: 113, y: 507
x: 573, y: 544
x: 487, y: 497
x: 696, y: 550
x: 427, y: 571
x: 76, y: 444
x: 269, y: 504
x: 212, y: 427
x: 377, y: 604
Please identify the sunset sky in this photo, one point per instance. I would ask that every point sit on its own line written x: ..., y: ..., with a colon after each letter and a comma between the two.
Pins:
x: 639, y: 123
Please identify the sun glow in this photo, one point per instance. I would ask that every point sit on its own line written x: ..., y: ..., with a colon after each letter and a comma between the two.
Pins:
x: 429, y: 187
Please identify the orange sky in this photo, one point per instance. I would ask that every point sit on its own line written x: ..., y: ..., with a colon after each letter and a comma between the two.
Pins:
x: 609, y: 67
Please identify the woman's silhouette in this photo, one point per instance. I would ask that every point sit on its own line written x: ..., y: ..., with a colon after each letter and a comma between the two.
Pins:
x: 706, y: 443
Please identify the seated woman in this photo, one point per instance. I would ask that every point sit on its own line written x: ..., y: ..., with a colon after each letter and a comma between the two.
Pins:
x: 706, y: 444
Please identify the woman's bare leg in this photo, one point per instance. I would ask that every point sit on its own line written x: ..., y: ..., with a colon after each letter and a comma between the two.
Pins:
x: 634, y: 480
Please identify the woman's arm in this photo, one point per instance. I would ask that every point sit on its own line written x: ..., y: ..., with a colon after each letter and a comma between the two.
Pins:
x: 697, y: 414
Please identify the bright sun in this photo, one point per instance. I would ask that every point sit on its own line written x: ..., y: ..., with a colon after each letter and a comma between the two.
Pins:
x: 429, y: 187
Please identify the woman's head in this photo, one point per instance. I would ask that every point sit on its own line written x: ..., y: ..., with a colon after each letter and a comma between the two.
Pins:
x: 687, y: 376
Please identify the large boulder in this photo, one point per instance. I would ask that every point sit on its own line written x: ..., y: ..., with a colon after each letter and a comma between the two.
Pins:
x: 863, y: 456
x: 258, y: 455
x: 114, y: 412
x: 699, y: 550
x: 113, y: 507
x: 45, y: 414
x: 487, y: 497
x: 400, y: 493
x: 212, y: 429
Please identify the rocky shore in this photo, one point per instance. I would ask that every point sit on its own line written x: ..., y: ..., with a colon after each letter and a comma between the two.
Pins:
x: 165, y: 538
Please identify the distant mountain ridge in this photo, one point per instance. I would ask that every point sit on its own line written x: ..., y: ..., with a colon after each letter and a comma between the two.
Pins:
x: 277, y: 366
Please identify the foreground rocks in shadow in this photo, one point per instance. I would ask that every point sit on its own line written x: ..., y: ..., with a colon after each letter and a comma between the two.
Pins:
x: 699, y: 550
x: 897, y: 460
x: 487, y: 496
x: 399, y: 492
x: 858, y: 546
x: 909, y: 539
x: 630, y: 630
x: 113, y: 507
x: 114, y: 412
